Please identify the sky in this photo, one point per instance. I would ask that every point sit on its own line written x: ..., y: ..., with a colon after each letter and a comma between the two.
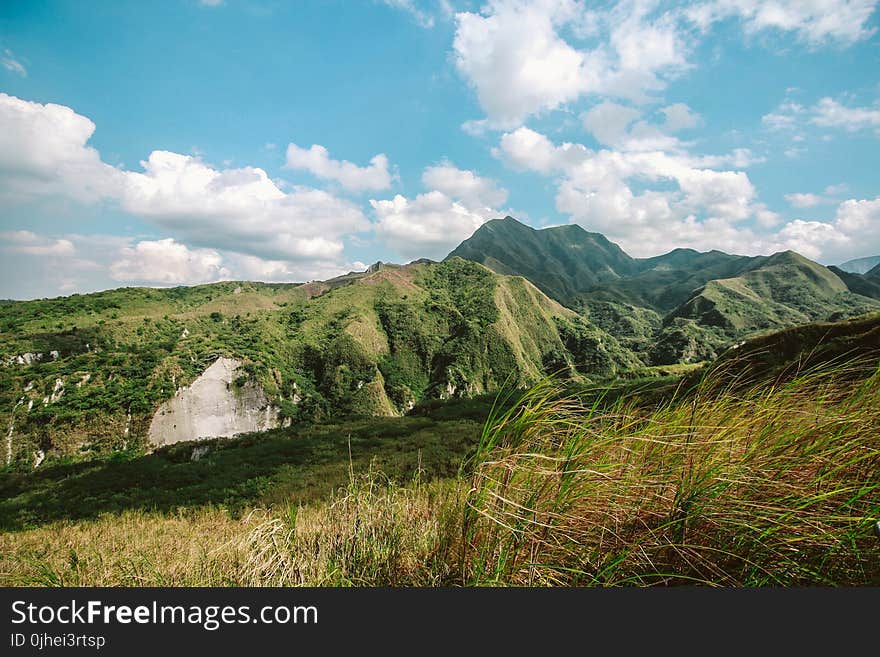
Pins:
x: 180, y: 142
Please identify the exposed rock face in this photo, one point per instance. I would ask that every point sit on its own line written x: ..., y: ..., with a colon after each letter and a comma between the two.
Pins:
x: 212, y: 407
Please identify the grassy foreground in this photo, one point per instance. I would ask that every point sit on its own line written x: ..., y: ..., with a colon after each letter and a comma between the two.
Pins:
x: 775, y: 484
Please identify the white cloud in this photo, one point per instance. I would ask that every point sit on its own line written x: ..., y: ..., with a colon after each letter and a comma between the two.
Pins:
x: 431, y: 225
x: 812, y: 21
x: 37, y: 265
x: 239, y: 209
x: 527, y: 150
x: 680, y: 117
x: 245, y: 267
x: 524, y: 58
x: 210, y: 3
x: 167, y: 262
x: 784, y: 117
x: 595, y: 190
x: 826, y: 113
x: 814, y: 238
x: 518, y: 64
x: 421, y: 17
x: 317, y: 161
x: 472, y: 191
x: 11, y: 64
x: 609, y: 122
x: 799, y: 200
x: 829, y: 113
x: 44, y: 151
x: 854, y: 232
x: 27, y: 242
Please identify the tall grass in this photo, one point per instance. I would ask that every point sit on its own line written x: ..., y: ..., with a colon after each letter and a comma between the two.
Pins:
x: 372, y: 532
x: 766, y: 484
x: 775, y: 485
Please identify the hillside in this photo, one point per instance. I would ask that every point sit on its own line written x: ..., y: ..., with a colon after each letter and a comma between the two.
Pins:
x: 860, y: 265
x: 756, y: 480
x: 867, y: 285
x: 87, y: 373
x: 682, y: 306
x: 561, y: 261
x: 782, y: 290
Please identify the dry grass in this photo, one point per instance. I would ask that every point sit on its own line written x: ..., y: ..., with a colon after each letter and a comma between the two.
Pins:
x: 769, y: 485
x: 372, y: 533
x: 779, y: 485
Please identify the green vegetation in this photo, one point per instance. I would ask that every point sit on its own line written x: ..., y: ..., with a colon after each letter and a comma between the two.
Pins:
x: 770, y: 485
x: 371, y: 344
x: 680, y: 307
x: 681, y: 438
x: 290, y: 466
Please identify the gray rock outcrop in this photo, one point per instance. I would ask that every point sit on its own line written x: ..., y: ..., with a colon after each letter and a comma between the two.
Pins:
x: 213, y: 407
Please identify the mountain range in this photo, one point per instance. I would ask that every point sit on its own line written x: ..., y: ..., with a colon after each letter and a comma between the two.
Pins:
x: 678, y: 307
x: 509, y: 305
x: 860, y: 265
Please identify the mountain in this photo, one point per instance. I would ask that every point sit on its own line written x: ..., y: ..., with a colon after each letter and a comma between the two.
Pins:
x: 561, y: 261
x: 860, y: 265
x: 126, y: 367
x: 576, y: 267
x: 776, y: 292
x: 867, y: 285
x: 682, y: 306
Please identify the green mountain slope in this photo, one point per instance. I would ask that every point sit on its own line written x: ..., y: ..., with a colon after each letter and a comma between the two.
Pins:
x: 779, y: 291
x: 867, y: 285
x: 88, y: 372
x: 682, y: 306
x: 576, y: 267
x: 782, y: 290
x: 561, y: 261
x: 666, y: 281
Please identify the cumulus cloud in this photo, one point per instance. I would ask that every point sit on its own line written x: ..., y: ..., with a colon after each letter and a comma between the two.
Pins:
x: 854, y: 231
x: 472, y: 191
x: 27, y: 242
x: 519, y: 63
x: 433, y: 223
x: 528, y: 57
x: 516, y: 61
x: 679, y: 117
x: 829, y: 113
x: 596, y: 190
x: 352, y: 177
x: 44, y: 151
x: 609, y: 122
x: 826, y: 113
x: 167, y: 262
x: 430, y: 225
x: 814, y: 238
x: 239, y: 209
x: 622, y: 127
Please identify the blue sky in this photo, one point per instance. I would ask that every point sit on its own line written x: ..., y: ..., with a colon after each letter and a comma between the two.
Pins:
x: 181, y: 142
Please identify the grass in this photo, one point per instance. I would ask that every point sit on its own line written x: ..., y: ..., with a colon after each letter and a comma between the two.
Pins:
x: 284, y: 466
x: 774, y: 484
